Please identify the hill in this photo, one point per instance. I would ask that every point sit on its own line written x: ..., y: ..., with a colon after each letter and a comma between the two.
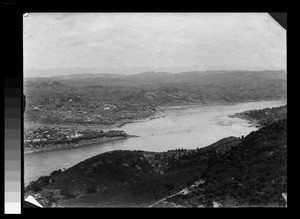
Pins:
x: 265, y: 116
x: 116, y: 99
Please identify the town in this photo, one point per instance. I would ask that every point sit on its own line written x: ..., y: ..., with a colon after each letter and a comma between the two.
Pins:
x: 50, y: 137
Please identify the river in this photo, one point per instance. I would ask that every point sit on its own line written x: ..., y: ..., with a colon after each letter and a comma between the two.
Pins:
x: 182, y: 127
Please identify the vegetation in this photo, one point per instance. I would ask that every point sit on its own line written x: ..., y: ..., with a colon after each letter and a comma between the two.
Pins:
x: 265, y: 116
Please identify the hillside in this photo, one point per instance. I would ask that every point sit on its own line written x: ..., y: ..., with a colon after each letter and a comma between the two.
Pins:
x: 248, y: 171
x: 110, y: 100
x: 265, y: 116
x: 252, y: 174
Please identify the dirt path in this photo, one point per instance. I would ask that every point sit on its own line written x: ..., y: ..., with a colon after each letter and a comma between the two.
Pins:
x: 183, y: 191
x: 180, y: 192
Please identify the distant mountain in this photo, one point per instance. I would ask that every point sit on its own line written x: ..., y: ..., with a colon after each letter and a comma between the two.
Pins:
x: 151, y: 74
x: 98, y: 75
x: 96, y: 72
x: 57, y: 72
x: 154, y: 79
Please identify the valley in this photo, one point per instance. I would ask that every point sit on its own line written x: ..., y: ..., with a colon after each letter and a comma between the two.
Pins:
x: 247, y: 171
x: 210, y: 164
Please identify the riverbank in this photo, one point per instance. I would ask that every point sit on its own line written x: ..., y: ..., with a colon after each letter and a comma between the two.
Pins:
x: 82, y: 143
x: 261, y: 118
x: 184, y: 106
x: 158, y: 113
x: 161, y: 111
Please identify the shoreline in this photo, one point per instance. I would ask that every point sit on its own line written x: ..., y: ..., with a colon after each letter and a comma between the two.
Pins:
x: 253, y: 122
x: 82, y: 143
x: 215, y: 104
x: 161, y: 111
x: 158, y: 114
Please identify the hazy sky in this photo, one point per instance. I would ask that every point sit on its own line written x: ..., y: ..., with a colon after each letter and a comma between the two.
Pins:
x: 127, y: 43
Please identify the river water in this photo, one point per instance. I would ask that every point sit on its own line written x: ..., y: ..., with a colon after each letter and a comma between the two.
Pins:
x: 182, y: 127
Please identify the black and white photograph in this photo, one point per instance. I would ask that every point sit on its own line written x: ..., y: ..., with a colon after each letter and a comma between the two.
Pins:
x: 154, y: 110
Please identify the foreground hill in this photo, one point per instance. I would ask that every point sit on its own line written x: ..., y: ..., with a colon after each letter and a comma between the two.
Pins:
x: 250, y: 174
x: 248, y: 171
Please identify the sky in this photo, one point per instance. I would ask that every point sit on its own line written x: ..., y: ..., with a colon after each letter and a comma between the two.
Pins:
x: 130, y: 43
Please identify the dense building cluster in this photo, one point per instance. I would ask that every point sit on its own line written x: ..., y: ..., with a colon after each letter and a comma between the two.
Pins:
x: 38, y: 138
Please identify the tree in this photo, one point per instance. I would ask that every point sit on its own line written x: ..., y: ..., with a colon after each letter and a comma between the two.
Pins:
x: 36, y: 186
x: 65, y: 191
x: 55, y: 173
x: 44, y: 180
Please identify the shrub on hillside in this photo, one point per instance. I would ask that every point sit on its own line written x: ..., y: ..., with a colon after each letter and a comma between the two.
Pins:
x: 36, y: 186
x: 55, y: 173
x: 44, y: 180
